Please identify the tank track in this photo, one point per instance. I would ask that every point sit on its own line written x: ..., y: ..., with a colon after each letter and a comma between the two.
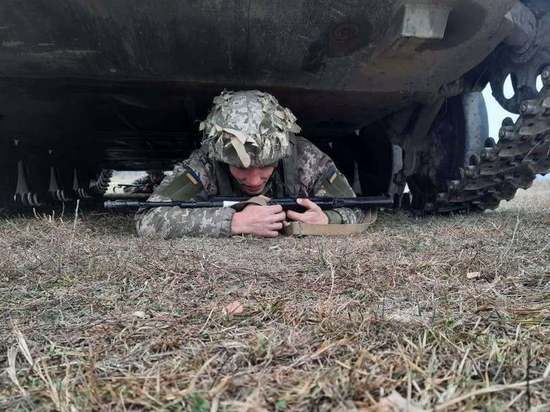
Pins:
x: 100, y: 184
x: 523, y: 150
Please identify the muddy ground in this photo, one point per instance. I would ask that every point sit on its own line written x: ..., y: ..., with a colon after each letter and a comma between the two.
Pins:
x: 452, y: 313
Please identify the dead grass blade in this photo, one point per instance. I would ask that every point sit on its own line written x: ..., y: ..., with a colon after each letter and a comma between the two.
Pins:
x: 11, y: 370
x: 438, y: 310
x: 493, y: 389
x: 22, y: 343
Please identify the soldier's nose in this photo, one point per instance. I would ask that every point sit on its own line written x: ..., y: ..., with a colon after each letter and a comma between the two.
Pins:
x: 254, y: 179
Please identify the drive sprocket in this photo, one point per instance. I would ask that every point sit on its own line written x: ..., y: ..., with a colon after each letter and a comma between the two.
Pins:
x: 522, y: 152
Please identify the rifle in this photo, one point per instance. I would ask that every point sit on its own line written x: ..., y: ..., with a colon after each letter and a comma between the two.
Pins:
x: 141, y: 188
x: 124, y: 186
x: 367, y: 202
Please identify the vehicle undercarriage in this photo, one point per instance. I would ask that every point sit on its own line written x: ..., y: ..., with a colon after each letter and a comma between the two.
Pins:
x: 390, y: 89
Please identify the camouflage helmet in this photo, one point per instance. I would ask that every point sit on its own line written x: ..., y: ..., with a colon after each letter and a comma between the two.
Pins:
x: 248, y: 129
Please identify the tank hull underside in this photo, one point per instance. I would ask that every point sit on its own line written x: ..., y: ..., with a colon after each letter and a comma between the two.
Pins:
x: 121, y: 80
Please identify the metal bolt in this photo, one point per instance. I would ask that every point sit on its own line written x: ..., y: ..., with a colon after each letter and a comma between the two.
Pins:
x: 489, y: 153
x: 470, y: 171
x: 506, y: 134
x: 453, y: 184
x: 523, y: 108
x: 529, y: 108
x: 474, y: 160
x: 545, y: 75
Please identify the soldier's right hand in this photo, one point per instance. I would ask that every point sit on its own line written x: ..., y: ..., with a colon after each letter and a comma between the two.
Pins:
x: 264, y: 221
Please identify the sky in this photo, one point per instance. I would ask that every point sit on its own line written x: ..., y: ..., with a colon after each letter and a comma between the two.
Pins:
x: 495, y: 112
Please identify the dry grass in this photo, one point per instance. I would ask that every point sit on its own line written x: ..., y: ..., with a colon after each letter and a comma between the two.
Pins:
x: 452, y: 313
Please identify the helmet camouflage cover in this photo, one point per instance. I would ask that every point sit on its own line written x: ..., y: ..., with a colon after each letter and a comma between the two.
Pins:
x: 248, y: 129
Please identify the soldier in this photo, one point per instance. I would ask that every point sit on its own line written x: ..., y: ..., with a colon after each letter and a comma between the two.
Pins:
x: 147, y: 183
x: 249, y: 148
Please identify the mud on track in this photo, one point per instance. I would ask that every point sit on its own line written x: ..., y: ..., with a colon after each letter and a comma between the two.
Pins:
x: 453, y: 313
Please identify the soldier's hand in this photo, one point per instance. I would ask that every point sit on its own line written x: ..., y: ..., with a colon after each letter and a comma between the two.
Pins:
x: 313, y: 215
x: 264, y: 221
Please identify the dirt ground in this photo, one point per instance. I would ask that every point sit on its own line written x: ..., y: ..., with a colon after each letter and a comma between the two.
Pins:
x: 451, y: 313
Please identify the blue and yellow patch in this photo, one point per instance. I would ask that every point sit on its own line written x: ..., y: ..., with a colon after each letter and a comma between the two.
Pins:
x: 192, y: 179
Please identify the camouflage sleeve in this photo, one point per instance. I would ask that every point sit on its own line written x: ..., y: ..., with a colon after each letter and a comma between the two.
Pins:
x: 172, y: 222
x: 333, y: 183
x: 319, y: 176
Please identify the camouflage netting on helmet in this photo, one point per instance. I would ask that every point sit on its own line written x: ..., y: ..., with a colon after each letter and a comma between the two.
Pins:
x: 248, y: 128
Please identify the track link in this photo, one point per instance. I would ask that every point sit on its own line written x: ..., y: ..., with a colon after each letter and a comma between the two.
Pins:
x: 100, y: 184
x: 522, y: 152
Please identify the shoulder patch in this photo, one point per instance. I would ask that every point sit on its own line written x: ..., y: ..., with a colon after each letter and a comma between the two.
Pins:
x: 192, y: 179
x: 192, y: 176
x: 331, y: 174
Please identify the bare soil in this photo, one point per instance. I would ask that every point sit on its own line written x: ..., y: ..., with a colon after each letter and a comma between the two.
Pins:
x: 452, y: 313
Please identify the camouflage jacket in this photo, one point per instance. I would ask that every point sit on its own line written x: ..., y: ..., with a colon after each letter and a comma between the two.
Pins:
x: 307, y: 172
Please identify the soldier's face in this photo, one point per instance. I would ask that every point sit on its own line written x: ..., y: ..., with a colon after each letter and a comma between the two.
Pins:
x: 252, y: 179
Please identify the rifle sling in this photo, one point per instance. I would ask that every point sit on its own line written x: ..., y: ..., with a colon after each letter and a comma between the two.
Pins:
x: 305, y: 229
x: 256, y: 200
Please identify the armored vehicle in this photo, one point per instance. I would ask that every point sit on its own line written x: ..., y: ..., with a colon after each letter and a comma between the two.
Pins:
x: 391, y: 89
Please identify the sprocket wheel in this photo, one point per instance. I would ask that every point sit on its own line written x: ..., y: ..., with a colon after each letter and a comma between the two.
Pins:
x: 523, y: 150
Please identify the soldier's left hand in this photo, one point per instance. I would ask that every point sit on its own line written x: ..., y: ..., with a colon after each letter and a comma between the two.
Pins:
x: 313, y: 215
